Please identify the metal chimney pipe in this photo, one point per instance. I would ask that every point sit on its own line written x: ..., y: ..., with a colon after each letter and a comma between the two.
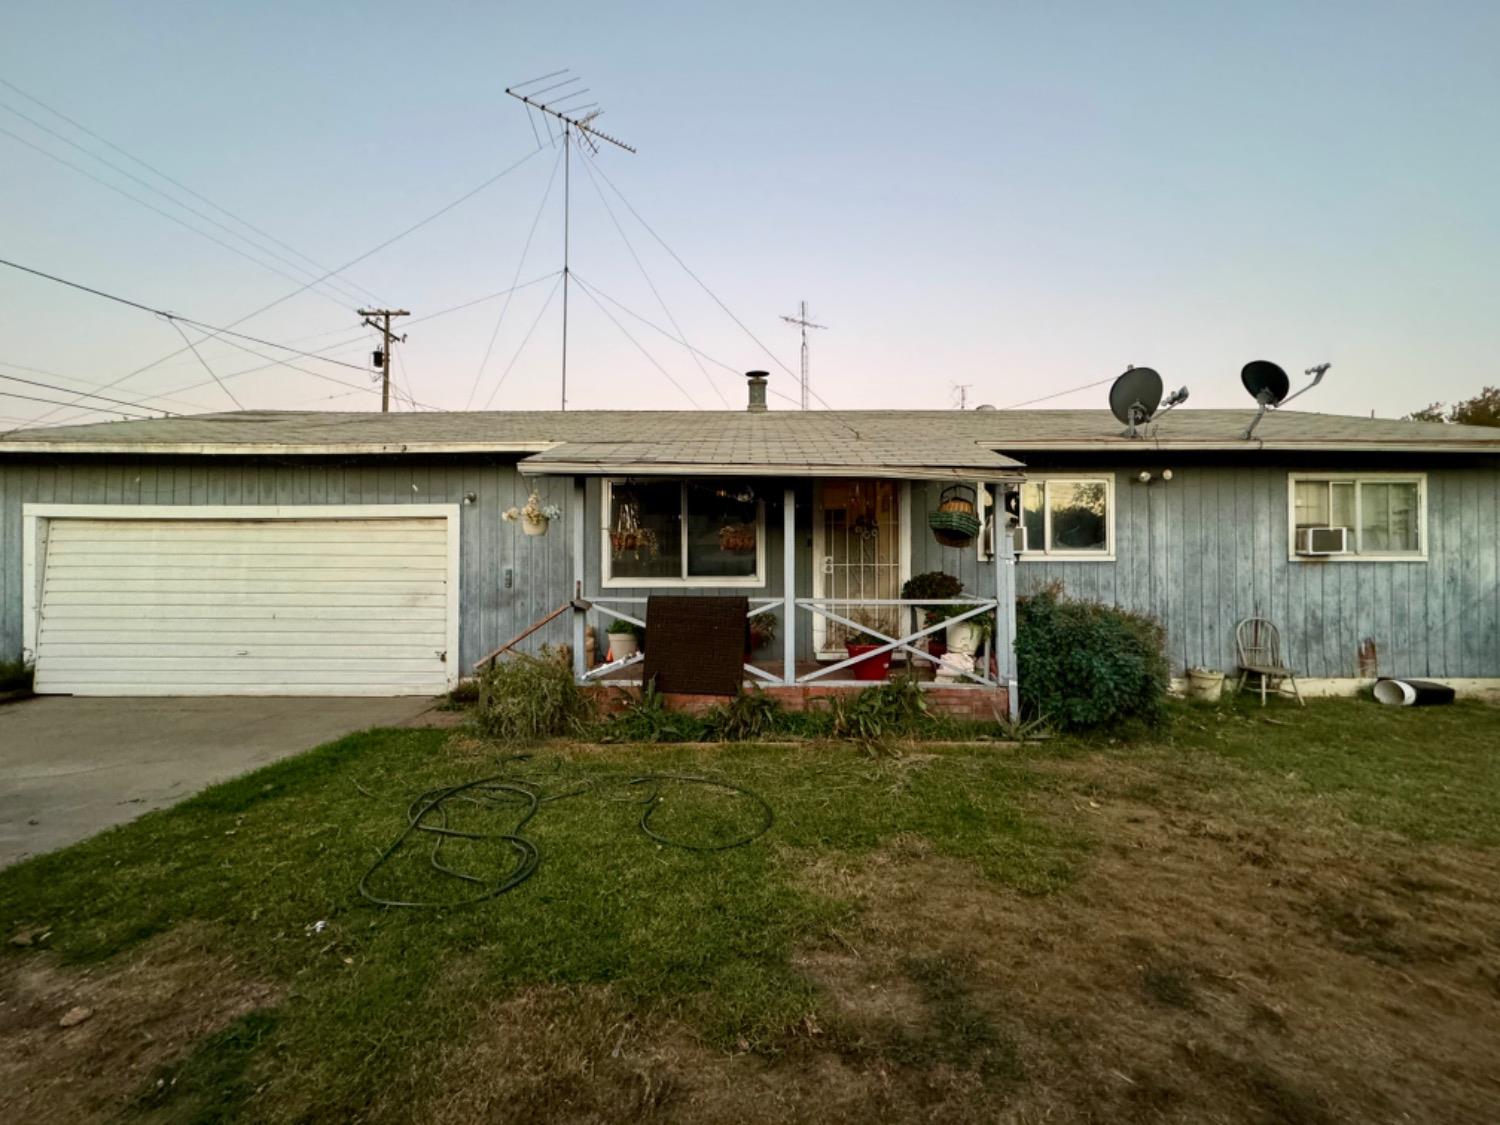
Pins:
x: 757, y: 391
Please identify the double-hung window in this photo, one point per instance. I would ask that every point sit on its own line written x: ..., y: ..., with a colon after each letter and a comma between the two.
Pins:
x: 700, y: 532
x: 1383, y: 515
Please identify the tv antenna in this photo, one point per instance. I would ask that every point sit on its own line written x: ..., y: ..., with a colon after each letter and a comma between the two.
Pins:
x: 1135, y: 398
x: 577, y: 120
x: 801, y: 321
x: 1268, y: 385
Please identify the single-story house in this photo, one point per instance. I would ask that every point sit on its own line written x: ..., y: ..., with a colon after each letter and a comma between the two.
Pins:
x: 334, y: 553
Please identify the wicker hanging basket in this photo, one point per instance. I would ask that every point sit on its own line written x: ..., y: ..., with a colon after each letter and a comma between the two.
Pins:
x: 956, y: 521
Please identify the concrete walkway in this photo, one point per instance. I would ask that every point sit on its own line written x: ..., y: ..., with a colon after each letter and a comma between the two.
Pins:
x: 70, y: 767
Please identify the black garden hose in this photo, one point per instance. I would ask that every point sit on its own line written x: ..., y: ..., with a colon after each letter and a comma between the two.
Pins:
x: 428, y: 813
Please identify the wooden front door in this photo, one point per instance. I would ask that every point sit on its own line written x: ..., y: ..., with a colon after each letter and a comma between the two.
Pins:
x: 860, y: 550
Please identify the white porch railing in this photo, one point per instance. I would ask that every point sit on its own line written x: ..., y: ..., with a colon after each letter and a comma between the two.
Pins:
x: 834, y: 610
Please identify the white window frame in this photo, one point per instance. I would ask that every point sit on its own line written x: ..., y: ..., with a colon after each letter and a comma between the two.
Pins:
x: 1354, y: 555
x: 1042, y: 554
x: 609, y: 581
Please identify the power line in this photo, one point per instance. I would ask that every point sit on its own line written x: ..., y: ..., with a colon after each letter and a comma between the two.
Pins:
x: 1059, y: 394
x: 608, y: 210
x: 211, y: 373
x: 641, y: 348
x: 165, y: 214
x: 525, y: 339
x: 595, y: 291
x: 165, y: 397
x: 54, y: 402
x: 480, y: 300
x: 701, y: 283
x: 171, y: 316
x: 175, y: 183
x: 71, y: 390
x: 520, y: 265
x: 344, y: 291
x: 347, y: 265
x: 654, y: 327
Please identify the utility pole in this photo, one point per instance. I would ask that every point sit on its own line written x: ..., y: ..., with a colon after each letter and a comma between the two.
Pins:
x: 961, y: 392
x: 578, y: 128
x: 800, y: 320
x: 383, y: 355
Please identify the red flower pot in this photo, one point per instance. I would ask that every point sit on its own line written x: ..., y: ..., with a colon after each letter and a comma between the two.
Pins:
x: 872, y: 667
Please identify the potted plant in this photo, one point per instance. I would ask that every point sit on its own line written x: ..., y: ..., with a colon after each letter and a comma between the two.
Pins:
x: 861, y: 644
x: 535, y: 516
x: 934, y: 585
x: 762, y: 632
x: 625, y: 639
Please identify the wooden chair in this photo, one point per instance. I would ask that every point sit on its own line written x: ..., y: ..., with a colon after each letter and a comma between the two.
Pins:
x: 1258, y: 643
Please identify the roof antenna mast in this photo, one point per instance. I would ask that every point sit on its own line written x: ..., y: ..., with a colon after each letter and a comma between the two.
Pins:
x: 801, y: 321
x: 577, y: 120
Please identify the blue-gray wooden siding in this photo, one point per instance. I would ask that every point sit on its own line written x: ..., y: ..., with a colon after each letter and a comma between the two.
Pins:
x: 490, y: 614
x: 1209, y: 547
x: 1198, y: 552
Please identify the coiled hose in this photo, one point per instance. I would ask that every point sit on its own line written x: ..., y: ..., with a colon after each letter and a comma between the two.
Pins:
x: 428, y: 815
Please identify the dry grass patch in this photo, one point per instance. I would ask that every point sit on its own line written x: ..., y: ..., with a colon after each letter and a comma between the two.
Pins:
x: 143, y: 1015
x: 1201, y: 971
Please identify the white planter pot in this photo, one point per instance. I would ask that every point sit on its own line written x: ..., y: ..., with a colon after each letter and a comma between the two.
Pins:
x: 534, y: 526
x: 963, y: 639
x: 1204, y: 683
x: 622, y: 645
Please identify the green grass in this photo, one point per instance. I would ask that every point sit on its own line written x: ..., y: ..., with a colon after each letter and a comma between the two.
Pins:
x: 372, y: 999
x: 705, y: 937
x: 1431, y: 774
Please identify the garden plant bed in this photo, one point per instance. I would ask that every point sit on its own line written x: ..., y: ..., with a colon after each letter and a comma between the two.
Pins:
x: 1237, y: 920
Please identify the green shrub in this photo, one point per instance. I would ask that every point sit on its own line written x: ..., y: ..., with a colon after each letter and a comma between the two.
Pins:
x: 933, y: 584
x: 1082, y: 664
x: 645, y: 717
x: 530, y: 697
x: 748, y: 716
x: 15, y: 675
x: 879, y: 714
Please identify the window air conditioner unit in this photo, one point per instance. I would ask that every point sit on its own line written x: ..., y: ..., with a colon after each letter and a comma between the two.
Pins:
x: 1018, y: 539
x: 1322, y: 540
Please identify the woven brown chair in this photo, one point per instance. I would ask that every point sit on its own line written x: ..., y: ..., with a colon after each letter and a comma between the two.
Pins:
x: 1258, y: 643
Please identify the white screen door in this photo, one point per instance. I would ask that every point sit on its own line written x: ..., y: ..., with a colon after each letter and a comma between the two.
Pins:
x: 860, y: 550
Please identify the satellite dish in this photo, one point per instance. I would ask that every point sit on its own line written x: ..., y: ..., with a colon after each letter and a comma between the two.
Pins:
x: 1267, y: 382
x: 1134, y: 397
x: 1268, y: 385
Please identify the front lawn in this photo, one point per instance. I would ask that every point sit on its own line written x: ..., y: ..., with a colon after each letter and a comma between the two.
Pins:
x: 1208, y: 921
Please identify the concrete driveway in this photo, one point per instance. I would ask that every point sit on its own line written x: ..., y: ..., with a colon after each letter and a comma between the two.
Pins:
x: 70, y: 767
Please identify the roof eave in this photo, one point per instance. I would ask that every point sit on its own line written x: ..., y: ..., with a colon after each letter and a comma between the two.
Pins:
x: 883, y: 472
x: 1252, y: 445
x: 274, y: 449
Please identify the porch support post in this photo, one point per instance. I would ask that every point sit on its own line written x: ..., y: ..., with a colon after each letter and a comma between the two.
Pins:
x: 789, y: 585
x: 579, y: 509
x: 1003, y: 552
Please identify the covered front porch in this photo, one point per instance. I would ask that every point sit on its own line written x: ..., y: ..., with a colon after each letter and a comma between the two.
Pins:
x: 821, y: 560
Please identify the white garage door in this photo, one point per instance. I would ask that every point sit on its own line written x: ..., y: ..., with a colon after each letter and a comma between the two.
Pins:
x: 244, y: 607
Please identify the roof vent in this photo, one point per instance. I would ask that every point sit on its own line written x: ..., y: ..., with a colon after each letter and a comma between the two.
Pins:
x: 757, y: 379
x: 985, y: 406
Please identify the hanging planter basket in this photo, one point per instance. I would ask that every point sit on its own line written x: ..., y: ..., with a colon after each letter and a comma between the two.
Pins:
x: 956, y: 521
x: 737, y: 539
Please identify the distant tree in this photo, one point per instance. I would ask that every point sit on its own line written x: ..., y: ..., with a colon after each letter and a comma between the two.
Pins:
x: 1481, y: 410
